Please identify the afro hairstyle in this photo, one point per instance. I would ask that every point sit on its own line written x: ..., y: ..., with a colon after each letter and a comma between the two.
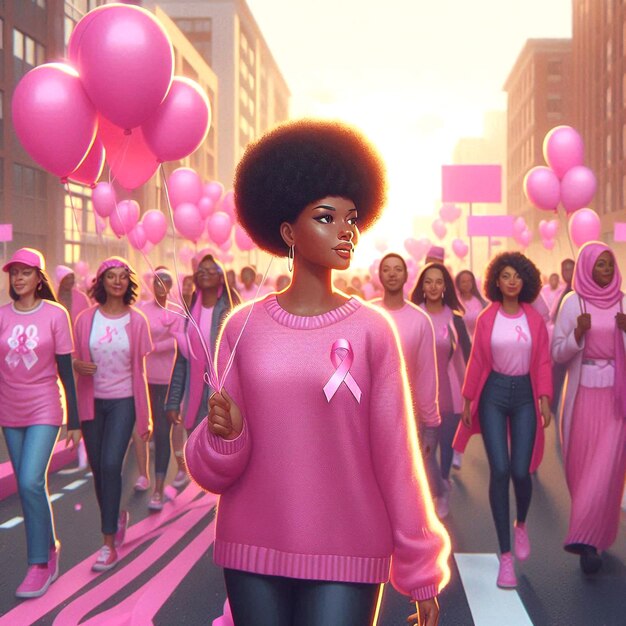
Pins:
x: 298, y: 163
x: 526, y: 269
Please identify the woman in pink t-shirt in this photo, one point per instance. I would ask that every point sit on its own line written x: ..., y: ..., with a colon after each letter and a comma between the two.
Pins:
x: 509, y: 373
x: 436, y: 295
x: 312, y: 442
x: 590, y: 339
x: 112, y: 341
x: 35, y: 352
x: 472, y: 301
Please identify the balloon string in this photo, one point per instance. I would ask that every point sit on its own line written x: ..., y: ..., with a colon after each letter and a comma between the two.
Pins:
x: 569, y: 239
x: 122, y: 159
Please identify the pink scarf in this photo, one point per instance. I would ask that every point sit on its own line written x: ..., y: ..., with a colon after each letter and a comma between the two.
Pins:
x: 603, y: 297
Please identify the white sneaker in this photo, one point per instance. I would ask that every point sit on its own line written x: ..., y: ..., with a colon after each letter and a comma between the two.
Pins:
x: 457, y: 458
x: 181, y: 479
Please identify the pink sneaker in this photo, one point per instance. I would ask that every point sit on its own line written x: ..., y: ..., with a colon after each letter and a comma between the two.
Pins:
x: 181, y: 479
x: 35, y: 583
x: 142, y: 484
x: 107, y: 558
x: 521, y: 541
x: 122, y: 525
x: 53, y: 561
x: 506, y: 573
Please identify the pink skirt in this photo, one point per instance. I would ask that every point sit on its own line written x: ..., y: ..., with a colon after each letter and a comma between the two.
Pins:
x: 595, y: 468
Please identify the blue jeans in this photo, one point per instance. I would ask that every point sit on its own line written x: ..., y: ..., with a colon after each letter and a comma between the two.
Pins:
x: 277, y: 601
x: 30, y: 449
x: 106, y: 441
x: 162, y: 429
x: 507, y: 407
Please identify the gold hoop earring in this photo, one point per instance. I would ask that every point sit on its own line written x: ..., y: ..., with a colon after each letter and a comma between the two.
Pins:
x: 290, y: 257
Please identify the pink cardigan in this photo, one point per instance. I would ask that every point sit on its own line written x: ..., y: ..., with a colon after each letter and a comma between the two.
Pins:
x: 481, y: 363
x: 140, y: 345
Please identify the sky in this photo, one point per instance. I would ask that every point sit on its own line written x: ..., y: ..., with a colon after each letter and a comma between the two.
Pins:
x: 415, y: 75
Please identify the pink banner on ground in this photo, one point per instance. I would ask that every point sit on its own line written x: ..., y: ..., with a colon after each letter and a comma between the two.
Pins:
x: 72, y: 581
x: 471, y: 183
x: 619, y: 231
x: 490, y: 225
x: 6, y: 232
x: 61, y: 456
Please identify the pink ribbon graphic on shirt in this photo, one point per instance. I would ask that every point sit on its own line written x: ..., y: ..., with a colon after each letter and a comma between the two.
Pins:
x: 342, y: 356
x: 521, y: 334
x: 23, y: 343
x: 108, y: 337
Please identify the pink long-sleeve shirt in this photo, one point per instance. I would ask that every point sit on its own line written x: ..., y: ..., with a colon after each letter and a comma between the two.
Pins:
x: 417, y: 340
x: 162, y: 321
x: 337, y: 487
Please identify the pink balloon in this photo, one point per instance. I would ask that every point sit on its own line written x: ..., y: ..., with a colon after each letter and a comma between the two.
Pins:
x: 125, y: 216
x: 225, y: 247
x: 548, y: 243
x: 219, y: 226
x: 81, y: 268
x: 459, y: 247
x: 90, y: 169
x: 584, y: 225
x: 137, y: 237
x: 181, y: 122
x: 542, y: 229
x: 227, y: 204
x: 131, y: 162
x: 146, y: 249
x: 552, y: 228
x: 524, y: 238
x: 578, y: 187
x: 439, y: 228
x: 542, y: 188
x: 125, y: 60
x: 563, y: 149
x: 519, y: 226
x: 206, y: 206
x: 214, y: 190
x: 242, y: 239
x: 154, y: 225
x: 53, y: 117
x: 104, y: 200
x: 73, y: 45
x: 449, y: 213
x: 184, y: 187
x: 101, y: 224
x: 188, y: 221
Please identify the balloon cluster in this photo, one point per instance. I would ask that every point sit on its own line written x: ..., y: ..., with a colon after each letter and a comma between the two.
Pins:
x: 114, y: 98
x: 564, y: 181
x: 521, y: 232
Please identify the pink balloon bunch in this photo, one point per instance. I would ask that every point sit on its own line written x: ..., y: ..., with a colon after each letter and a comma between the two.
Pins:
x: 547, y: 232
x: 417, y: 248
x: 242, y: 239
x: 449, y: 213
x: 566, y: 180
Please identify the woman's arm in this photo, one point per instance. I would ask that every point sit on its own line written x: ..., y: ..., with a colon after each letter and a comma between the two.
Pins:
x: 564, y: 343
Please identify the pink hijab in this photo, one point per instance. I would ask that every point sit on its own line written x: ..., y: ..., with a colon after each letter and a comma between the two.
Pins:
x: 603, y: 297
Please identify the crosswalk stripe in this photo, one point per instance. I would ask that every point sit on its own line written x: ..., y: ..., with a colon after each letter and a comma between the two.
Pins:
x: 55, y: 496
x: 14, y: 521
x: 75, y: 485
x: 488, y: 603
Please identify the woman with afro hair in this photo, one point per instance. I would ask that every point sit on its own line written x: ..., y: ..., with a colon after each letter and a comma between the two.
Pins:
x: 311, y: 443
x: 508, y: 375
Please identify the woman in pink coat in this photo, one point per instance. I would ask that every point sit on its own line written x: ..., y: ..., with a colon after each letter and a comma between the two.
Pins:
x: 589, y: 337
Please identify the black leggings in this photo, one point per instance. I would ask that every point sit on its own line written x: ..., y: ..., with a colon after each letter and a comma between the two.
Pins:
x: 162, y: 429
x: 276, y: 601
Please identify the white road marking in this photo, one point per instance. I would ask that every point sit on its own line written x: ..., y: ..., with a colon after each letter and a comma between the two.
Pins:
x: 75, y: 485
x: 55, y: 496
x: 14, y: 521
x: 490, y: 605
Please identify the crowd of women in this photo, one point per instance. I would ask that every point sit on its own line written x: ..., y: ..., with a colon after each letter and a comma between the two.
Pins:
x: 313, y: 422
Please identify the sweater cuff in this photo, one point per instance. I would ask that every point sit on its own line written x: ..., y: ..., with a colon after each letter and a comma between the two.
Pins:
x: 424, y: 593
x: 227, y: 446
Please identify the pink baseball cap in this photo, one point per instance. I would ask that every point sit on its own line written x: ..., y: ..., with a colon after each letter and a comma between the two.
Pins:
x: 27, y: 256
x: 61, y: 271
x: 436, y: 252
x: 114, y: 261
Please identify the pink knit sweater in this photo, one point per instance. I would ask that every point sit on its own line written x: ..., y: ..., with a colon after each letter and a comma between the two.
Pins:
x: 318, y: 489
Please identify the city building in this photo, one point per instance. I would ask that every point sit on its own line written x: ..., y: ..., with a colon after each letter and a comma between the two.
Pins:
x: 541, y: 95
x: 253, y: 95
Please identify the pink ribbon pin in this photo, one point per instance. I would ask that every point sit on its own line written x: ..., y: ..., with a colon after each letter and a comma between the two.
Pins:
x: 521, y: 334
x: 342, y: 356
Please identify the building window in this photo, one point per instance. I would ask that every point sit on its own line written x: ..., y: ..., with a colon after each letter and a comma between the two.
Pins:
x: 609, y: 150
x: 609, y: 102
x: 555, y: 71
x: 27, y: 50
x: 554, y: 104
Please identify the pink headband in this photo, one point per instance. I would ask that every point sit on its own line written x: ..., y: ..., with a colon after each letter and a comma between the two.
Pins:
x: 112, y: 262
